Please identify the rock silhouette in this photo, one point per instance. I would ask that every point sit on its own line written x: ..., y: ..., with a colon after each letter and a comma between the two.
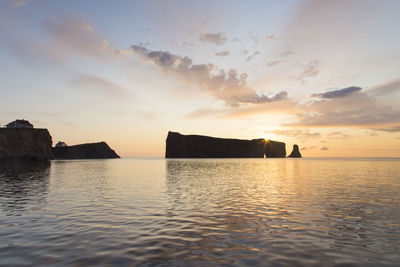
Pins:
x: 85, y: 151
x: 295, y: 152
x: 198, y: 146
x: 25, y: 144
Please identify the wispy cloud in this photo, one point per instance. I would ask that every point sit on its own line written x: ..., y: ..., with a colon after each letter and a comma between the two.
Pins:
x: 309, y: 70
x: 98, y: 85
x: 273, y: 63
x: 270, y: 38
x: 76, y: 35
x: 300, y: 134
x: 215, y: 38
x: 286, y: 53
x: 222, y: 53
x: 256, y: 53
x: 19, y: 3
x: 346, y: 107
x: 228, y: 86
x: 389, y: 129
x: 386, y: 88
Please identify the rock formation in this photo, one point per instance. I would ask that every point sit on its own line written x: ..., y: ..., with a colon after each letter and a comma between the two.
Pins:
x: 198, y: 146
x: 275, y: 149
x: 25, y: 144
x: 295, y: 152
x: 85, y: 151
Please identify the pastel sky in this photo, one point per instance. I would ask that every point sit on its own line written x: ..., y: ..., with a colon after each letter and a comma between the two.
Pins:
x: 322, y: 74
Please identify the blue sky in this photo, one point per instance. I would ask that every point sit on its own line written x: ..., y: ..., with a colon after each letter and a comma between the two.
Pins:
x: 126, y: 72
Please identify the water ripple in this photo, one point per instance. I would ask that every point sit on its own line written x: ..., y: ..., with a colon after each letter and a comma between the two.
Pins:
x: 224, y: 212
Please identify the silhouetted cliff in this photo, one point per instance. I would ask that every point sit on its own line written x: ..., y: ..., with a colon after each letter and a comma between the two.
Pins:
x: 85, y: 151
x: 23, y: 144
x: 295, y: 152
x: 198, y: 146
x: 275, y: 149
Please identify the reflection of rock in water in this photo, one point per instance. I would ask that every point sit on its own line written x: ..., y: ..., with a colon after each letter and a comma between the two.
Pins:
x: 23, y: 185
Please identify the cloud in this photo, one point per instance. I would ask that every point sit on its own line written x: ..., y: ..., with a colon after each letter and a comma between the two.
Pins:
x: 228, y: 86
x: 346, y: 107
x: 273, y: 63
x: 287, y: 53
x: 270, y: 38
x: 222, y: 53
x: 389, y: 129
x: 308, y: 148
x: 285, y: 106
x: 78, y: 36
x: 215, y: 38
x: 338, y: 93
x: 95, y: 84
x: 19, y: 3
x: 324, y: 148
x: 256, y: 53
x: 309, y: 70
x: 386, y: 88
x: 300, y: 134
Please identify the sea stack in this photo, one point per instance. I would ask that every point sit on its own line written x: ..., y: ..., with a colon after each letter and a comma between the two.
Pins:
x: 295, y: 153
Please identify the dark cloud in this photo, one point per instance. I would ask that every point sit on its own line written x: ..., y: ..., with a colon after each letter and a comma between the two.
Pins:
x: 228, y: 86
x: 222, y: 53
x: 324, y: 148
x: 215, y: 38
x: 338, y: 93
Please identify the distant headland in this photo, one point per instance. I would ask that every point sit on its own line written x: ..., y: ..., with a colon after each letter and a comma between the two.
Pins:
x: 20, y: 141
x: 198, y: 146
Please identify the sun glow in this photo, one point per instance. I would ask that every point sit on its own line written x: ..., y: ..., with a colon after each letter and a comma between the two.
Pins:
x: 267, y: 134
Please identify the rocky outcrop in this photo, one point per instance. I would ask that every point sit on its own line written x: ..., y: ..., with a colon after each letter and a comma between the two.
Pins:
x: 275, y: 149
x: 23, y: 144
x: 198, y: 146
x: 295, y: 152
x: 85, y: 151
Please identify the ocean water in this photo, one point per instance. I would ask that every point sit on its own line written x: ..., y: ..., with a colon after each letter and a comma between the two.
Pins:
x: 206, y: 212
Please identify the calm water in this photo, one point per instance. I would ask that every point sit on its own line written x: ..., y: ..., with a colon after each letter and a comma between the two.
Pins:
x: 269, y: 212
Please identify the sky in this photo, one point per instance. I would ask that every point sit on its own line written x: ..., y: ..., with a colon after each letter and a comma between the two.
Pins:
x: 321, y: 74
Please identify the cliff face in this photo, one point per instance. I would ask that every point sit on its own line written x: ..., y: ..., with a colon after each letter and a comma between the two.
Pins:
x: 295, y: 152
x: 85, y: 151
x: 198, y: 146
x: 275, y: 149
x: 22, y: 144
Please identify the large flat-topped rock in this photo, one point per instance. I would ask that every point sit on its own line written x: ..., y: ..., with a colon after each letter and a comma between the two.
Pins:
x: 198, y: 146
